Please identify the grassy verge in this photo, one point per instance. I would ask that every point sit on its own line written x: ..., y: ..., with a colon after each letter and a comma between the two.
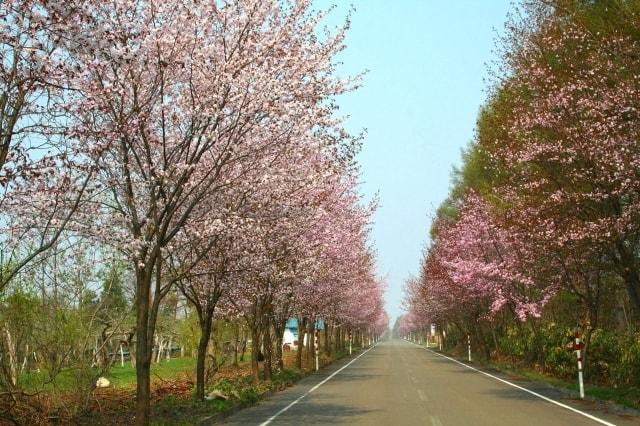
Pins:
x: 173, y: 400
x: 119, y: 376
x: 627, y: 397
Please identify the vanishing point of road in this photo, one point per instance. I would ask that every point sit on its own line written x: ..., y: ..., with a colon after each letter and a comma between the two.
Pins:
x: 398, y: 383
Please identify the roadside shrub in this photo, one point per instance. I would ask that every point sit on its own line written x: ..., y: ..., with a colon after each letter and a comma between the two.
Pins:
x: 627, y: 371
x: 604, y: 355
x: 556, y: 359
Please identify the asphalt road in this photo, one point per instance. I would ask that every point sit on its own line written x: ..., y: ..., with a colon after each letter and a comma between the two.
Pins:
x: 398, y: 383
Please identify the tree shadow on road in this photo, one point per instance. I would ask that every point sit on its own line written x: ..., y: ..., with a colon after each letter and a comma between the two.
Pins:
x: 309, y: 413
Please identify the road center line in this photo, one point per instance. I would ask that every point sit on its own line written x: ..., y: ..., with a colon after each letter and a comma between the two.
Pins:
x: 559, y: 404
x: 291, y: 404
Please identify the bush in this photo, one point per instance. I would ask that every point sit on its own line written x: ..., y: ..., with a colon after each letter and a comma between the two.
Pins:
x: 627, y: 371
x: 604, y: 354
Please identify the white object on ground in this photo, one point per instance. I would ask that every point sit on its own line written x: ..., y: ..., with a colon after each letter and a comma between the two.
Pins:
x: 102, y: 382
x: 216, y: 394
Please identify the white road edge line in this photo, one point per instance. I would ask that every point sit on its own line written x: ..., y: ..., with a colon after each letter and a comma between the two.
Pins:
x: 559, y: 404
x: 291, y: 404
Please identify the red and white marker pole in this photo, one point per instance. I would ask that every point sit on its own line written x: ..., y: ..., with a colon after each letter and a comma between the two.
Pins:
x: 350, y: 343
x: 578, y: 347
x: 316, y: 347
x: 469, y: 346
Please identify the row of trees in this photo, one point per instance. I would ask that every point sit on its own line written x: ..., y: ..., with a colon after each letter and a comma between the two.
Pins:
x: 541, y: 231
x: 177, y: 145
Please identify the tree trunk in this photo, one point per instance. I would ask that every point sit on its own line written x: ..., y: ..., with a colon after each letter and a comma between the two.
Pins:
x: 159, y: 349
x: 268, y: 352
x: 236, y: 336
x: 310, y: 328
x: 243, y: 339
x: 205, y: 334
x: 169, y: 345
x: 13, y: 358
x: 279, y: 355
x: 279, y: 327
x: 327, y: 343
x: 143, y: 349
x: 626, y: 263
x: 301, y: 327
x: 593, y: 324
x: 255, y: 350
x: 477, y: 327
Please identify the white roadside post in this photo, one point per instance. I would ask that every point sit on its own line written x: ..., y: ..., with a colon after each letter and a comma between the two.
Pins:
x: 350, y: 343
x: 469, y: 345
x: 578, y: 348
x: 315, y: 346
x: 433, y: 332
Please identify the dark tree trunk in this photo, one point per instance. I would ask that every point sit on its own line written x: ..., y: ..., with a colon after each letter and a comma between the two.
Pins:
x: 255, y: 353
x: 236, y: 336
x: 327, y: 342
x: 244, y: 344
x: 477, y: 331
x: 278, y: 327
x: 301, y: 327
x: 268, y: 352
x: 144, y: 345
x: 146, y: 317
x: 593, y: 324
x: 626, y: 263
x: 310, y: 338
x: 279, y: 356
x: 205, y: 319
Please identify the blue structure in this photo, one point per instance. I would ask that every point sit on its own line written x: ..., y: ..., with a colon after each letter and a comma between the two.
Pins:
x: 290, y: 336
x: 292, y: 324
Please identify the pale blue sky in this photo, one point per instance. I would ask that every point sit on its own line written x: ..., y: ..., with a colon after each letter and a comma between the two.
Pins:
x: 427, y: 62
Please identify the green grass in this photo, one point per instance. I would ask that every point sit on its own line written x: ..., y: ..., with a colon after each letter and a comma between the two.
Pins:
x: 119, y: 376
x: 125, y: 376
x: 179, y: 411
x: 170, y: 409
x: 628, y: 397
x: 65, y: 381
x: 625, y: 396
x: 287, y: 376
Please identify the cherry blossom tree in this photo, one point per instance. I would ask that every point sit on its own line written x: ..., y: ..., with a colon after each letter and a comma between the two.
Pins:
x: 43, y: 177
x: 568, y: 145
x: 175, y: 96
